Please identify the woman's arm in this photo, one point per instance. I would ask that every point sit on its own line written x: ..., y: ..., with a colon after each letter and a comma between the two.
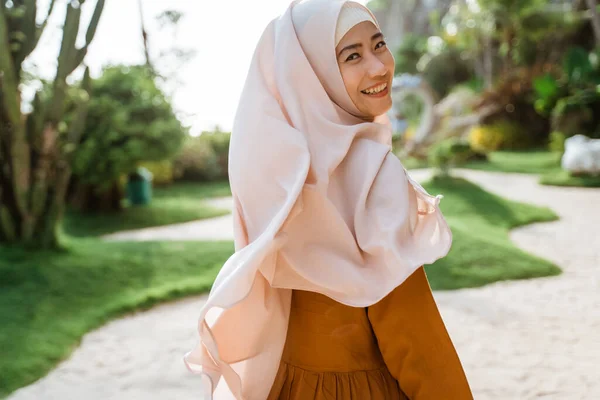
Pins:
x: 415, y: 344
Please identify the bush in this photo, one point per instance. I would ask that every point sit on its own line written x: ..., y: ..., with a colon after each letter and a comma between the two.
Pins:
x: 571, y: 97
x: 557, y: 142
x: 446, y: 70
x: 578, y: 113
x: 219, y: 141
x: 501, y: 135
x: 513, y: 99
x: 129, y: 121
x: 162, y: 171
x: 409, y: 53
x: 450, y: 153
x: 197, y: 161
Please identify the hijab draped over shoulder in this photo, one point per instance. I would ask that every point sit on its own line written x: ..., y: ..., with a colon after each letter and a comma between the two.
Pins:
x: 321, y: 204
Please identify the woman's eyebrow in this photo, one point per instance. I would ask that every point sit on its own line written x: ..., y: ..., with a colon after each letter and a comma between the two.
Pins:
x: 378, y: 35
x: 358, y: 45
x: 350, y: 47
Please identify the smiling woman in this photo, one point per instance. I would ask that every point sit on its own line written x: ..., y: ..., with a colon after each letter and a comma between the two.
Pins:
x: 367, y: 67
x: 325, y: 297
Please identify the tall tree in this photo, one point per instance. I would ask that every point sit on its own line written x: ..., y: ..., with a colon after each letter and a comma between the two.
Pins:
x: 35, y: 148
x: 130, y: 120
x: 145, y: 38
x: 164, y: 63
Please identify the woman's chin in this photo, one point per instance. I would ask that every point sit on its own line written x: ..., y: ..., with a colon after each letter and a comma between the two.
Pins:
x: 379, y: 107
x: 387, y: 107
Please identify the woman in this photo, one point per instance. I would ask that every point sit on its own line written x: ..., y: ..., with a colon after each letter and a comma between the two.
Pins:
x: 325, y: 296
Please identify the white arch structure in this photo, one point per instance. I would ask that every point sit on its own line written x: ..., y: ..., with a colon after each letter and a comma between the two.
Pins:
x: 403, y: 86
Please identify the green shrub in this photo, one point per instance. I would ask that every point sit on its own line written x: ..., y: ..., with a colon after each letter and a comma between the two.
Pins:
x: 547, y: 91
x: 129, y: 121
x: 219, y: 141
x: 578, y: 113
x: 446, y: 70
x: 409, y: 53
x: 578, y: 67
x: 197, y: 161
x: 571, y: 97
x: 162, y: 171
x: 450, y: 153
x: 557, y: 141
x: 513, y: 98
x: 500, y: 135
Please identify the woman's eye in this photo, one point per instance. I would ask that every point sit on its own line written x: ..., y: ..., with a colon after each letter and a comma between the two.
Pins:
x: 382, y: 43
x: 352, y: 57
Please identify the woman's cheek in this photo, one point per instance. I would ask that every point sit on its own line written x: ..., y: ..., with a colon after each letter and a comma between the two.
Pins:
x: 356, y: 79
x: 390, y: 62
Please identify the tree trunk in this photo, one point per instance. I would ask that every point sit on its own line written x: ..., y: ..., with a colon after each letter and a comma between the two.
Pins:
x: 91, y: 199
x: 34, y: 168
x: 595, y: 20
x: 39, y: 228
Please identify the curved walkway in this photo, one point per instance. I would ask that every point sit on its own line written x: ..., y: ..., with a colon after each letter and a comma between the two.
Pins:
x: 534, y: 339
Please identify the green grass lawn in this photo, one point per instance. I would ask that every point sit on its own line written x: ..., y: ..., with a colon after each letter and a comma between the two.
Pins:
x: 180, y: 202
x: 563, y: 178
x: 482, y: 252
x: 49, y: 300
x: 527, y: 162
x: 540, y: 162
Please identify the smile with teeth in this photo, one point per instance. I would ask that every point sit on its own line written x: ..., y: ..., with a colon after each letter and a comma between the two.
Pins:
x: 376, y: 89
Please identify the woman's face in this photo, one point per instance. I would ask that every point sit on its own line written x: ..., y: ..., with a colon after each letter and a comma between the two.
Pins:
x: 367, y: 68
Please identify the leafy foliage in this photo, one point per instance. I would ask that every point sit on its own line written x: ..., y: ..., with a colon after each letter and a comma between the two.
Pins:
x: 203, y: 158
x: 446, y: 70
x: 557, y: 141
x: 219, y: 141
x: 162, y: 171
x: 129, y: 121
x: 500, y: 135
x: 409, y: 53
x: 451, y: 152
x: 513, y: 97
x: 572, y: 97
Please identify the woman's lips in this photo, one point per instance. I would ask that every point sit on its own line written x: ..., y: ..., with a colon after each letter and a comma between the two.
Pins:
x: 378, y: 86
x: 383, y: 93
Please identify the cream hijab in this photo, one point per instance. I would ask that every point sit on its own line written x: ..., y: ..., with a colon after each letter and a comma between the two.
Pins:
x: 321, y: 204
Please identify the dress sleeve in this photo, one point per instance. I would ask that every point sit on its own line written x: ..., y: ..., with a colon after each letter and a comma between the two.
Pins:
x: 415, y: 345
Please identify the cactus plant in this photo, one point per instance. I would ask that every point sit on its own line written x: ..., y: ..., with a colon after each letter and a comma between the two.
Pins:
x: 35, y: 147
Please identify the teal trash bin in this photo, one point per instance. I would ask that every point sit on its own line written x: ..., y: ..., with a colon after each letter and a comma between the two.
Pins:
x: 139, y: 187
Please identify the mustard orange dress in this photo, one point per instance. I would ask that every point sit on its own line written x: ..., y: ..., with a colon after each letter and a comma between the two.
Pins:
x: 396, y: 349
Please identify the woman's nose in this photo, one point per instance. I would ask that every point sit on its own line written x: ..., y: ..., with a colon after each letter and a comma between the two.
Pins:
x: 375, y: 67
